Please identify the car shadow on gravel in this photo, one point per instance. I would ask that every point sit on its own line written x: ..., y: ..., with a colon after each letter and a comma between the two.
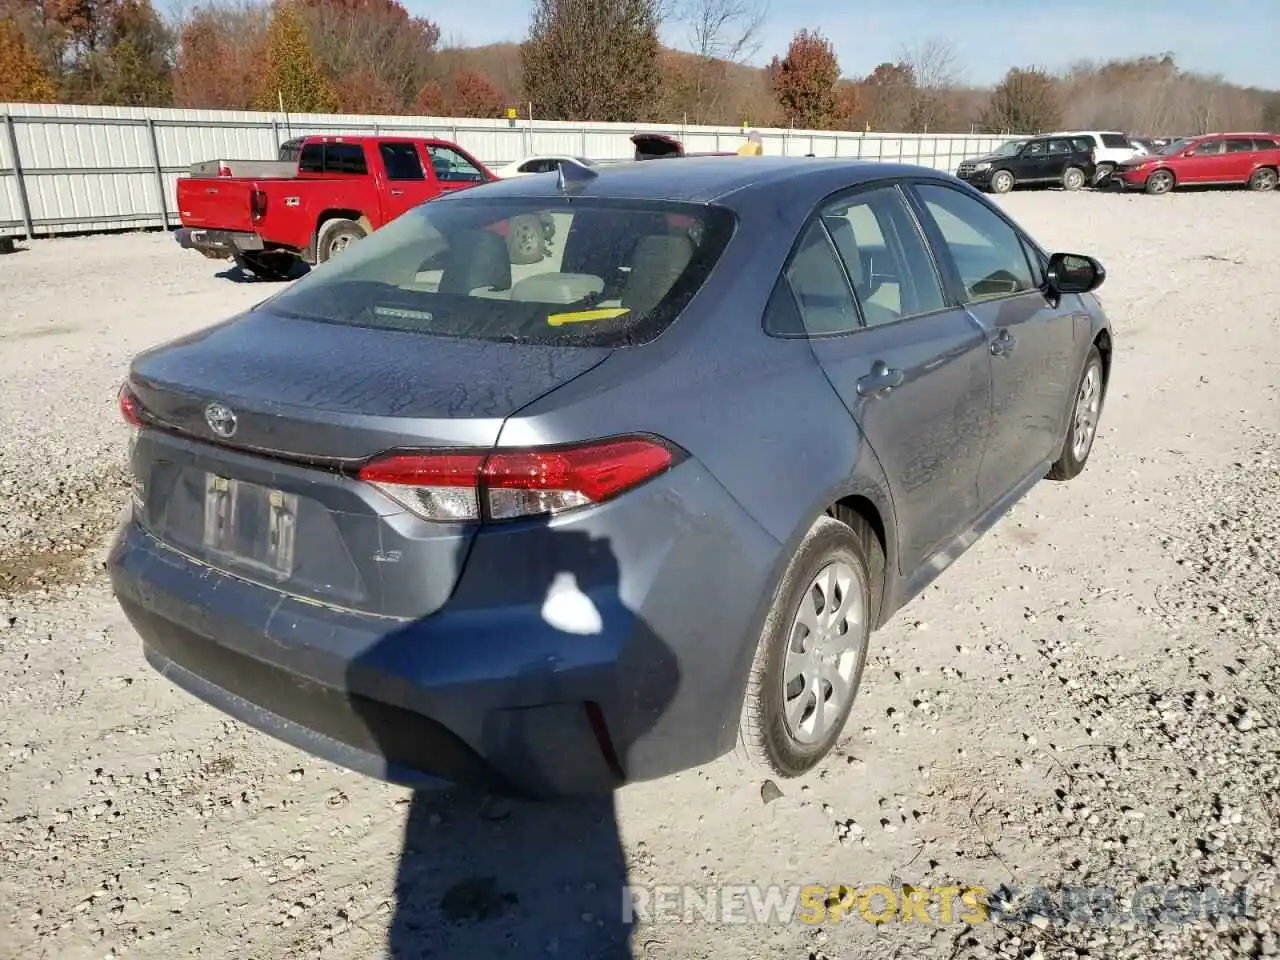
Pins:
x: 237, y: 275
x: 488, y: 874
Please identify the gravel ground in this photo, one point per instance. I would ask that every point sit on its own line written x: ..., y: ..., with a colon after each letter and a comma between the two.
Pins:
x: 1089, y: 698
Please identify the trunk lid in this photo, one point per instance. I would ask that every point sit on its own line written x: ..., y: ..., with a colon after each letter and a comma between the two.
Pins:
x: 218, y: 203
x: 277, y: 501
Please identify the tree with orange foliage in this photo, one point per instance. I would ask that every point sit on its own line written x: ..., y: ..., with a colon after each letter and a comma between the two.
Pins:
x: 382, y: 54
x: 430, y: 100
x: 22, y: 78
x: 474, y: 95
x: 804, y: 81
x: 220, y: 55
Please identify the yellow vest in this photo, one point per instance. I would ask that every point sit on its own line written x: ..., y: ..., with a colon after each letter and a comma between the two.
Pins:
x: 750, y: 149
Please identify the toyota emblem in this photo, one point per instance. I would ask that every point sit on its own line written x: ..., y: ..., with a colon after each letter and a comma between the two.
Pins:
x: 221, y: 419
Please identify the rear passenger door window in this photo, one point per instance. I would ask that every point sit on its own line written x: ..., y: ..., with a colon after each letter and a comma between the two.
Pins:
x: 880, y: 246
x: 344, y: 158
x: 1239, y: 145
x: 1059, y: 147
x: 988, y: 254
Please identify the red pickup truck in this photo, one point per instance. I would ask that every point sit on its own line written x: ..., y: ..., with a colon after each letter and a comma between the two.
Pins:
x: 343, y: 189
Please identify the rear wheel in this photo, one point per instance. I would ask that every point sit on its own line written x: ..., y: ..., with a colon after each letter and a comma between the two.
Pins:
x: 809, y: 661
x: 335, y: 236
x: 1160, y: 182
x: 1083, y: 427
x: 1072, y: 178
x: 1001, y: 181
x: 1264, y: 178
x: 267, y: 265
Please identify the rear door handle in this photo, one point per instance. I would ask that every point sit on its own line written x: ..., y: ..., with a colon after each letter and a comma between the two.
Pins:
x: 1003, y: 344
x: 880, y: 380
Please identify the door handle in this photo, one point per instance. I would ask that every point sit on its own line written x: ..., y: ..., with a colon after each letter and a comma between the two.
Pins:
x: 1003, y: 344
x: 397, y: 193
x: 880, y: 380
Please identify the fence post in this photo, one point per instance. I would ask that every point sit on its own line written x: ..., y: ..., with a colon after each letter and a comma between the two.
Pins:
x: 23, y: 200
x: 155, y: 165
x: 275, y: 136
x: 582, y: 142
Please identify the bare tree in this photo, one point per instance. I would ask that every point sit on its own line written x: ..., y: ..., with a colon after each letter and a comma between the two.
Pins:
x: 936, y: 68
x: 721, y: 33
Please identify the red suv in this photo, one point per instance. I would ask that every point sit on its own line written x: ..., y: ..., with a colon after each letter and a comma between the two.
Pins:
x: 1216, y: 159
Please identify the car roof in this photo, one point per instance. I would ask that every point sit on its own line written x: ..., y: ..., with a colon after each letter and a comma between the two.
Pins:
x: 711, y: 179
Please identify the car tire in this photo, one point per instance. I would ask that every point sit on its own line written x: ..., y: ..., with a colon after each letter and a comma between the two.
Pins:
x: 526, y: 240
x: 335, y: 236
x: 1160, y: 182
x: 1001, y: 181
x: 1103, y: 173
x: 786, y: 729
x: 1082, y: 427
x: 269, y: 265
x: 1263, y: 179
x: 1073, y: 178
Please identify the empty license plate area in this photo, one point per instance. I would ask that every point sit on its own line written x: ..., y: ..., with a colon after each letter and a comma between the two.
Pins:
x: 250, y: 525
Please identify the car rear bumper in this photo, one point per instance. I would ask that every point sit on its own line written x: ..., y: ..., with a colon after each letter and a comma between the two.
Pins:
x: 491, y: 696
x: 218, y: 244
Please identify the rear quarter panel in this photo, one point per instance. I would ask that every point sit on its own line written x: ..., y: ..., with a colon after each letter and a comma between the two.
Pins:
x: 759, y: 417
x: 296, y: 206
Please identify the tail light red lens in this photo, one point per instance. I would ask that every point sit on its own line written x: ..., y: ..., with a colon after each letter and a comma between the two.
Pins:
x: 130, y: 408
x: 509, y: 484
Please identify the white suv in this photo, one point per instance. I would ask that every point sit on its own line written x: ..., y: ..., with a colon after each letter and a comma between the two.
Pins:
x: 1110, y: 148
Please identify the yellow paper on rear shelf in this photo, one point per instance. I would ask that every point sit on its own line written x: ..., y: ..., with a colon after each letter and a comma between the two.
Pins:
x: 587, y: 316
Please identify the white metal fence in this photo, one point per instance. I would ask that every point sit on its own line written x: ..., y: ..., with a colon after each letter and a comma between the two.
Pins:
x: 67, y: 169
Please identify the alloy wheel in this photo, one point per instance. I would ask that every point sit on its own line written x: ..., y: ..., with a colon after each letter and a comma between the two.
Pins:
x: 1088, y: 403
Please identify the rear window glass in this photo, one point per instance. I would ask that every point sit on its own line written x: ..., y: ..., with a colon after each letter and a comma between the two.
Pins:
x: 569, y: 271
x: 1116, y: 140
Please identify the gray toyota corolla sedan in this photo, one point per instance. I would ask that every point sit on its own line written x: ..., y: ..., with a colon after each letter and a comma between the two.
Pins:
x: 553, y: 527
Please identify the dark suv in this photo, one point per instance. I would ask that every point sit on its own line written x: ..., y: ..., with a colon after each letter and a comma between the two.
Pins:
x: 1063, y: 160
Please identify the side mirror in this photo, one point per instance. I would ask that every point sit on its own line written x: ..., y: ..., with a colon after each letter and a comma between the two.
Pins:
x: 1074, y: 273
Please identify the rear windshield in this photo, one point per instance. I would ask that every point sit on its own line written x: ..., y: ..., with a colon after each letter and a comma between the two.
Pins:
x: 572, y: 271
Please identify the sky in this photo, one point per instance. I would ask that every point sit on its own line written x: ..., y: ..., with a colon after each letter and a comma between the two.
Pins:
x: 1235, y: 38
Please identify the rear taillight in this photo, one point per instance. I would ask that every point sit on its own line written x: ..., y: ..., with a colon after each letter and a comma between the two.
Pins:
x: 130, y: 408
x: 131, y: 411
x: 508, y: 484
x: 257, y: 204
x: 224, y: 170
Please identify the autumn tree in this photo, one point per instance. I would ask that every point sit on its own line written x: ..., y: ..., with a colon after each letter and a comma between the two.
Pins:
x: 292, y: 76
x: 380, y: 55
x: 22, y: 76
x: 804, y: 81
x: 888, y: 93
x: 850, y: 106
x: 472, y: 94
x: 593, y: 60
x: 1025, y: 101
x: 221, y: 49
